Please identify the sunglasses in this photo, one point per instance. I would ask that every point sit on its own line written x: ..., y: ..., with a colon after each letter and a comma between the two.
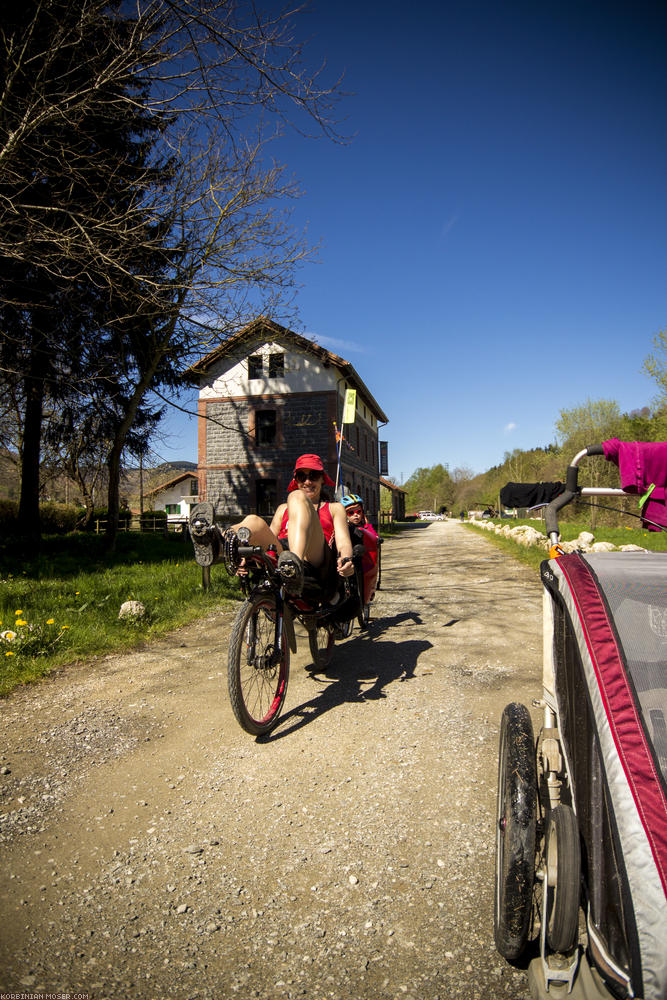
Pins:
x: 302, y: 474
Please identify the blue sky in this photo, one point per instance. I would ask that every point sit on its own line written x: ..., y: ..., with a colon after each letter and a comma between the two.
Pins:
x: 494, y: 236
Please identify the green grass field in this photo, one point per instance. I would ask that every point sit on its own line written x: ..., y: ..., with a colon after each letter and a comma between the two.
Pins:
x: 63, y: 606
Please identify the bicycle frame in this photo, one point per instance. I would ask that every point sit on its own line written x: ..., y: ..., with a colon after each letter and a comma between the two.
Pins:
x: 262, y: 575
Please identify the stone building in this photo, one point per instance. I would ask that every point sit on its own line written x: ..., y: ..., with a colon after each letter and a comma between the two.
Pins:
x: 268, y: 395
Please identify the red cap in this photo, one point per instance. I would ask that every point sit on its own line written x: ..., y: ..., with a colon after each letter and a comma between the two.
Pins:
x: 315, y: 463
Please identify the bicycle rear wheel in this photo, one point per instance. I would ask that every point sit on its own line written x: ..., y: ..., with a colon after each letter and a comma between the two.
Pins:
x: 321, y: 641
x: 256, y: 676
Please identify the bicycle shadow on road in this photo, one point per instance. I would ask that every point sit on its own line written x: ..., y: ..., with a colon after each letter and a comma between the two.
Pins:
x: 361, y: 669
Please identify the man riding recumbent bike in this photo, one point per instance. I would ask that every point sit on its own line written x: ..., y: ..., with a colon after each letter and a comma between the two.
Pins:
x: 302, y: 566
x: 581, y: 824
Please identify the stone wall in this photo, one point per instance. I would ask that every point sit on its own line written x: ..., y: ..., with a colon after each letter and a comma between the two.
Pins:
x: 234, y: 462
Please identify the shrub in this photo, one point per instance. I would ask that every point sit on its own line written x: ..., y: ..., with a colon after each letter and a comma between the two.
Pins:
x: 101, y: 514
x: 9, y: 517
x: 57, y: 518
x: 153, y: 520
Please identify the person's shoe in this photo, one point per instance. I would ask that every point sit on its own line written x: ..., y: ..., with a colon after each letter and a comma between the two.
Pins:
x: 204, y: 534
x: 290, y: 571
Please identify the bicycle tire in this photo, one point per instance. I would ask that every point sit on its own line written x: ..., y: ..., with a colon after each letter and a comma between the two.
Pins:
x: 516, y: 825
x: 321, y: 641
x: 563, y: 858
x: 257, y: 686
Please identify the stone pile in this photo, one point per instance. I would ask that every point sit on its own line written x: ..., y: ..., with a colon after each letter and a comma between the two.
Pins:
x: 525, y: 534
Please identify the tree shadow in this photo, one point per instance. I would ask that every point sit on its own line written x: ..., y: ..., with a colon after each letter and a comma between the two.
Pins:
x: 360, y: 670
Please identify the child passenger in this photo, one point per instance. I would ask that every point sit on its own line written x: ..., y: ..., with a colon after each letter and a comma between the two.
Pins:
x: 354, y: 508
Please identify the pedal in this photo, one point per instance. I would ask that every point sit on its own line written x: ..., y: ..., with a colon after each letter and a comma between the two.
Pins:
x: 202, y: 532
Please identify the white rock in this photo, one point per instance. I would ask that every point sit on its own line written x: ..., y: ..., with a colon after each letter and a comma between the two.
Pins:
x: 603, y: 547
x: 132, y: 609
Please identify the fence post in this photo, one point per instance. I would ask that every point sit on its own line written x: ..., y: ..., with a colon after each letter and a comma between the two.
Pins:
x: 206, y: 577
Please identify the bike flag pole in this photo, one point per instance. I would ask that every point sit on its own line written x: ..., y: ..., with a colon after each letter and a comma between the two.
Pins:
x: 339, y: 447
x: 349, y: 413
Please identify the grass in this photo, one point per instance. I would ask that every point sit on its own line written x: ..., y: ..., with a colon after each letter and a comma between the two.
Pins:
x: 532, y: 556
x: 62, y: 606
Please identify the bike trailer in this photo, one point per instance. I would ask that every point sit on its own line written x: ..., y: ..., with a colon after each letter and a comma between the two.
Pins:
x: 605, y: 681
x: 369, y: 563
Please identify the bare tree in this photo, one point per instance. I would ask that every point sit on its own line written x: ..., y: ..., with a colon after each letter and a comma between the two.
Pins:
x: 199, y: 241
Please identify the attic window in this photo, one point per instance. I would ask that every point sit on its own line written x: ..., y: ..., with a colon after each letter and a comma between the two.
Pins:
x: 276, y: 365
x: 255, y: 366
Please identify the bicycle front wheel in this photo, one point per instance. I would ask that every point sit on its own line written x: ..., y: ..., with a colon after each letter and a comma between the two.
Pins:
x: 257, y: 673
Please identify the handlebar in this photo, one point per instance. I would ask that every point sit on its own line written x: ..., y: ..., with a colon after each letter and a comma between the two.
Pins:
x: 572, y: 490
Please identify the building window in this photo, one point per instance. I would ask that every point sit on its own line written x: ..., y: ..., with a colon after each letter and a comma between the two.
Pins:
x: 172, y: 508
x: 276, y: 365
x: 265, y: 427
x: 255, y: 366
x: 267, y: 497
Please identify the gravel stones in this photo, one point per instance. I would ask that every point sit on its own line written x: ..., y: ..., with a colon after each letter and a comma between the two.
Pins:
x: 349, y: 855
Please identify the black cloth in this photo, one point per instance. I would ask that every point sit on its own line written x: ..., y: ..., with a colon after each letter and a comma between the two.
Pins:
x: 529, y: 494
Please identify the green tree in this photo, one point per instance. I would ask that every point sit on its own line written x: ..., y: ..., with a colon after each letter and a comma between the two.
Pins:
x: 430, y: 489
x: 655, y: 364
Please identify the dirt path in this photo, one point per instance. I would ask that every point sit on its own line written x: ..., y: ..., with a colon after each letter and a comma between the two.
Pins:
x: 153, y: 849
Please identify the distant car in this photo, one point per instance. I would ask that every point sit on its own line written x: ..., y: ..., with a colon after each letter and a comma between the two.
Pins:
x: 428, y: 515
x: 488, y: 514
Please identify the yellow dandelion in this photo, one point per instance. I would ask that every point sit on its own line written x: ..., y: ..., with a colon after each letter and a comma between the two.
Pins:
x: 20, y: 621
x: 9, y: 653
x: 63, y: 627
x: 50, y: 621
x: 76, y: 593
x: 19, y: 612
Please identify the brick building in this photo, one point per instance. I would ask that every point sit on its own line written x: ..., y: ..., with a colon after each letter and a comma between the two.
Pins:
x: 266, y: 396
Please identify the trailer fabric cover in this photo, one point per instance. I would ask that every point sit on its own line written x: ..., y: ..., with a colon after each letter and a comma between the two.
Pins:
x: 610, y: 675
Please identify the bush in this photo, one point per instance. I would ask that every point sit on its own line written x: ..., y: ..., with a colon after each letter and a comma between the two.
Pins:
x: 58, y: 518
x: 9, y: 517
x: 153, y: 520
x: 101, y: 514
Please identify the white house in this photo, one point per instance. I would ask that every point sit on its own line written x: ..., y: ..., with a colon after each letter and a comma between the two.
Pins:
x: 176, y: 497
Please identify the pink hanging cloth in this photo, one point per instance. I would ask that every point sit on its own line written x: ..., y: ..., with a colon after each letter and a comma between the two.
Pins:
x: 642, y: 465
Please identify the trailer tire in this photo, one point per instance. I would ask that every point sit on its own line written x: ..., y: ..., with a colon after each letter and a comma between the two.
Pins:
x: 563, y: 858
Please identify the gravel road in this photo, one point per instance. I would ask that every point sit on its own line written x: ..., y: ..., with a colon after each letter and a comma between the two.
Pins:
x: 153, y: 849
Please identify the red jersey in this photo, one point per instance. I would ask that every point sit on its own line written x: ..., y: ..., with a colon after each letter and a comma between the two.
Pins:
x: 326, y: 520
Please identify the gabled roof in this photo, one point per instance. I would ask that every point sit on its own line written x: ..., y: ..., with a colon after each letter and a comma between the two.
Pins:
x: 269, y: 329
x: 172, y: 482
x: 391, y: 486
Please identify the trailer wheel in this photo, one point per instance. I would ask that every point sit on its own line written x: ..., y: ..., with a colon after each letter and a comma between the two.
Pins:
x: 563, y: 858
x: 515, y: 832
